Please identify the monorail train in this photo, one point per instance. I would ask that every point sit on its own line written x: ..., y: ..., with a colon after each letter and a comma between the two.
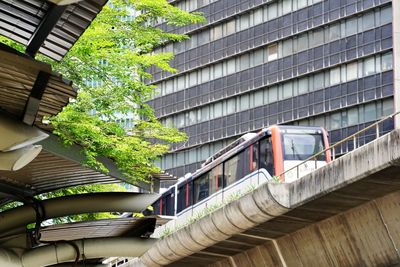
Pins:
x: 252, y: 159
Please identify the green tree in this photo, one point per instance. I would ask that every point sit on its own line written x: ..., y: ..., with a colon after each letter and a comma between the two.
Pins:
x: 116, y: 52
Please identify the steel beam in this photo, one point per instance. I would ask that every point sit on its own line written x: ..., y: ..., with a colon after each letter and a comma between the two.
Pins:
x: 54, y: 145
x: 47, y: 24
x: 33, y: 103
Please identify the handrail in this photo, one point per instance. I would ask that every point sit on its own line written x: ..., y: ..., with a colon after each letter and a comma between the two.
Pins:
x: 353, y: 136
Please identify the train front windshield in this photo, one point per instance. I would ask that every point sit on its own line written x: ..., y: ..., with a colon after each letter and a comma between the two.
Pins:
x: 301, y: 146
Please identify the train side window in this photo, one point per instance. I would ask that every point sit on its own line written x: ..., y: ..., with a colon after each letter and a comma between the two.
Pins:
x: 169, y: 204
x: 237, y: 167
x: 254, y: 157
x: 163, y: 206
x: 230, y: 170
x: 266, y: 155
x: 201, y: 187
x: 181, y: 198
x: 156, y: 207
x: 216, y: 179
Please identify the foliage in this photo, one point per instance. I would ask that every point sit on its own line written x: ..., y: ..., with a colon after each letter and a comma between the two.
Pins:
x: 115, y: 52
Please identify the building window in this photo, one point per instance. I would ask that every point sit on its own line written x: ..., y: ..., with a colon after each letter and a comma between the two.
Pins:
x: 387, y: 61
x: 286, y: 6
x: 230, y: 67
x: 369, y: 66
x: 352, y: 116
x: 272, y: 51
x: 272, y: 11
x: 334, y: 32
x: 218, y: 71
x: 231, y: 106
x: 302, y: 42
x: 287, y: 48
x: 335, y: 76
x: 317, y: 38
x: 351, y: 26
x: 386, y: 15
x: 368, y: 21
x: 370, y: 112
x: 352, y: 71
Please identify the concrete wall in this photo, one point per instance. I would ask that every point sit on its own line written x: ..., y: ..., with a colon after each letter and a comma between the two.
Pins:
x: 368, y: 235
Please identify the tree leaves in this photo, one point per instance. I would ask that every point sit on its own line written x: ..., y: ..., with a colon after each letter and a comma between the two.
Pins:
x: 115, y: 52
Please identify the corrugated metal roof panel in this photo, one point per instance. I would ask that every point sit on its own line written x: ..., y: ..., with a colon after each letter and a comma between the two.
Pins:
x: 20, y: 20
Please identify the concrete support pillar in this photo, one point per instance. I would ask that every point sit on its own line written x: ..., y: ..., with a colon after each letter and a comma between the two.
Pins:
x: 396, y: 58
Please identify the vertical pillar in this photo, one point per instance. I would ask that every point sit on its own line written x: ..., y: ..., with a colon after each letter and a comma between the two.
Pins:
x: 396, y: 59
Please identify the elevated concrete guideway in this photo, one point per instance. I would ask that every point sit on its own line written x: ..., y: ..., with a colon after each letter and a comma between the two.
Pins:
x: 344, y: 214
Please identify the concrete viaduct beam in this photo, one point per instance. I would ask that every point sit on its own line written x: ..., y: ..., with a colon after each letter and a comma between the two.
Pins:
x: 367, y: 173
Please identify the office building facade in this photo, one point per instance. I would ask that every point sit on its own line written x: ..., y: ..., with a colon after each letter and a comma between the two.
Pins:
x: 256, y: 63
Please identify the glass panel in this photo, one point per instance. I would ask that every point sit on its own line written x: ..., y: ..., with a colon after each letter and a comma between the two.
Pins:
x: 272, y: 51
x: 302, y: 43
x: 335, y: 76
x: 287, y: 90
x: 230, y: 106
x: 351, y: 26
x: 334, y: 32
x: 369, y: 112
x: 217, y: 32
x: 352, y: 71
x: 181, y: 198
x: 258, y: 98
x: 217, y: 71
x: 318, y: 38
x: 205, y: 75
x: 244, y: 62
x: 386, y: 15
x: 231, y: 68
x: 244, y: 102
x: 273, y: 94
x: 368, y: 21
x: 335, y: 121
x: 216, y: 179
x: 302, y: 146
x: 192, y: 79
x: 318, y: 81
x: 286, y: 6
x: 217, y: 110
x: 369, y: 66
x: 201, y: 188
x: 387, y: 61
x: 272, y: 11
x: 258, y: 16
x: 266, y: 156
x: 205, y: 115
x: 258, y: 57
x: 352, y: 116
x: 303, y: 85
x: 287, y: 48
x: 230, y: 27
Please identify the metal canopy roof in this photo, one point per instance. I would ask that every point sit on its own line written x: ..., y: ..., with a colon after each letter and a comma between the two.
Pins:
x: 50, y: 172
x: 46, y: 27
x: 124, y: 227
x: 18, y: 77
